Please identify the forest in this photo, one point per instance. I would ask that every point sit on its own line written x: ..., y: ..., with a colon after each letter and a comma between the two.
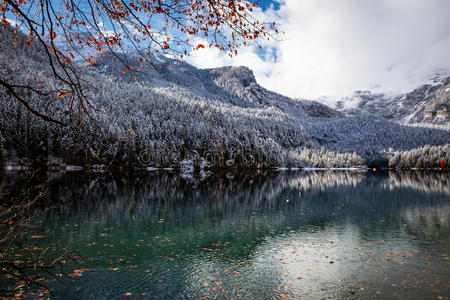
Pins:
x: 173, y: 115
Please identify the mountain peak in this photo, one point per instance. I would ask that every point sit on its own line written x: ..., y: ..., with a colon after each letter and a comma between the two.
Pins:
x: 241, y: 74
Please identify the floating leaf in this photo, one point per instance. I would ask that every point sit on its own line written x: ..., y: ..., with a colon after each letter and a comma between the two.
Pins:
x: 37, y: 236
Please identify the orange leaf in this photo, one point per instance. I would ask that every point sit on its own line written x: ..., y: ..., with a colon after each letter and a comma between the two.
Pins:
x: 123, y: 72
x: 62, y: 95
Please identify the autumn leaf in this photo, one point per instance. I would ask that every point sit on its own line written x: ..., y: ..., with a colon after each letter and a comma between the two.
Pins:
x: 284, y: 295
x: 77, y: 273
x: 62, y: 95
x: 37, y: 236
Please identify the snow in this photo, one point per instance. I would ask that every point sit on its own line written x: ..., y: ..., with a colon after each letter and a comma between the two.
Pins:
x: 73, y: 168
x: 151, y: 169
x: 335, y: 169
x: 282, y: 169
x: 214, y: 112
x: 15, y: 168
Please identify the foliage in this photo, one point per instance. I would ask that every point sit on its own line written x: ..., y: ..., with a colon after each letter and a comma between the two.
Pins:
x: 70, y: 32
x: 22, y: 262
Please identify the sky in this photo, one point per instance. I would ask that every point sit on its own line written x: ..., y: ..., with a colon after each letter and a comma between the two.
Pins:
x: 333, y: 48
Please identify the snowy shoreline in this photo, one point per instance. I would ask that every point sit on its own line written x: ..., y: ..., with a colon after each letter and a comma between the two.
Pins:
x: 102, y: 168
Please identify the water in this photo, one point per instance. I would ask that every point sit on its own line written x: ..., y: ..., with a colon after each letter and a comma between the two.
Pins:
x: 297, y: 235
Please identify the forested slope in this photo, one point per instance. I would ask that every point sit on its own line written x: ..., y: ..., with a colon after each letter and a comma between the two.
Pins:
x: 177, y: 115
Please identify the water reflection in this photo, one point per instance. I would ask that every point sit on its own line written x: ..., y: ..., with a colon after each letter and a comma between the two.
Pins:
x: 296, y: 234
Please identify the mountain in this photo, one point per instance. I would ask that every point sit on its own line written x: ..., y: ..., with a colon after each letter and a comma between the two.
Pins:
x: 171, y: 114
x: 234, y: 85
x: 425, y: 105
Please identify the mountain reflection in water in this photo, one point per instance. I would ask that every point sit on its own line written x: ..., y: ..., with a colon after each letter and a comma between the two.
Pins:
x: 328, y: 234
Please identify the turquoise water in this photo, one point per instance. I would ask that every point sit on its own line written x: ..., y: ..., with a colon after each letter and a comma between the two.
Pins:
x: 298, y: 235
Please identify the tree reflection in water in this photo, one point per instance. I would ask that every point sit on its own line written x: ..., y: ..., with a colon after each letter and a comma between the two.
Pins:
x: 270, y: 235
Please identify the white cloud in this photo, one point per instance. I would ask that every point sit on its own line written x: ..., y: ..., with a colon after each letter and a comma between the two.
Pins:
x: 335, y: 47
x: 11, y: 22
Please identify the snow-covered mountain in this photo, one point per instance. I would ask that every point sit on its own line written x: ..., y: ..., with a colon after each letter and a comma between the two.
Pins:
x: 425, y: 105
x: 233, y: 85
x: 173, y: 114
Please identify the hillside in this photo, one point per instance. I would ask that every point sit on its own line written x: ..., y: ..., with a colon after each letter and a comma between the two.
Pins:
x: 428, y: 104
x: 233, y: 85
x: 174, y: 115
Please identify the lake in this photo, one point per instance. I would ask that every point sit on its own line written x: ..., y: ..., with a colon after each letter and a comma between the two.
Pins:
x: 294, y: 234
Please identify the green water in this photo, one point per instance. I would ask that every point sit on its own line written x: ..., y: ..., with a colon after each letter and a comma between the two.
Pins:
x: 298, y: 235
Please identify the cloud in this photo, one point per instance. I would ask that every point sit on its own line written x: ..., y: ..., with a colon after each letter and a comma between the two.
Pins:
x: 333, y: 48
